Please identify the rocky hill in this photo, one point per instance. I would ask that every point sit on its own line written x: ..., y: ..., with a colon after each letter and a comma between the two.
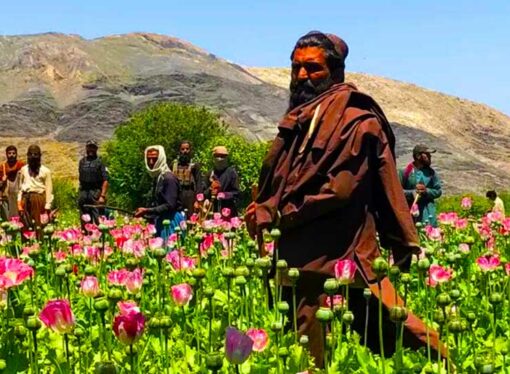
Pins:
x: 60, y: 90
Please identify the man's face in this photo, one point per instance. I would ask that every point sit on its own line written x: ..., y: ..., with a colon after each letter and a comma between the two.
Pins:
x: 185, y: 149
x: 152, y: 158
x: 310, y: 75
x: 91, y: 150
x: 425, y: 158
x: 12, y: 155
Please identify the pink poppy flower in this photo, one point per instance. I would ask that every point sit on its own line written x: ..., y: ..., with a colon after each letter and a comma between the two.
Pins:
x: 156, y: 243
x: 118, y: 277
x: 447, y: 218
x: 461, y: 223
x: 507, y: 269
x: 29, y: 235
x: 466, y: 203
x: 438, y: 275
x: 200, y: 197
x: 134, y: 247
x: 182, y: 294
x: 345, y: 270
x: 60, y: 256
x: 180, y: 262
x: 90, y: 286
x: 194, y: 218
x: 434, y: 233
x: 488, y: 263
x: 464, y: 248
x: 13, y: 272
x: 269, y: 248
x: 58, y: 316
x: 134, y: 281
x: 128, y: 328
x: 220, y: 196
x: 495, y: 216
x: 16, y: 221
x: 45, y: 218
x: 127, y: 307
x: 337, y: 300
x: 260, y: 339
x: 86, y: 218
x: 236, y: 222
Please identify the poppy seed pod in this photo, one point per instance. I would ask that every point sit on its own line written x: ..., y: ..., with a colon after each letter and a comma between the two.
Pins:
x: 324, y: 314
x: 348, y: 317
x: 214, y: 361
x: 293, y: 274
x: 242, y: 271
x: 283, y: 307
x: 495, y: 298
x: 275, y: 234
x: 276, y: 326
x: 398, y: 314
x: 443, y: 299
x: 367, y: 293
x: 304, y: 340
x: 281, y: 265
x: 406, y: 278
x: 331, y: 286
x: 33, y: 323
x: 380, y: 266
x: 423, y: 264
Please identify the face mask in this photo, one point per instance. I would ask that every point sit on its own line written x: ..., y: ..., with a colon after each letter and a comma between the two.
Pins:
x: 184, y: 158
x: 220, y: 163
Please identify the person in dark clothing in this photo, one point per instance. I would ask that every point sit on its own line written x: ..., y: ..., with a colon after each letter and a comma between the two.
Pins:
x: 188, y: 174
x: 223, y: 183
x: 165, y: 202
x: 93, y: 183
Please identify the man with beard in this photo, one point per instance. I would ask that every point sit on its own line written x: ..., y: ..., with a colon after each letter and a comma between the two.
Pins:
x: 93, y: 182
x: 223, y: 186
x: 9, y: 183
x: 330, y: 184
x: 188, y: 174
x: 36, y: 190
x: 165, y: 203
x: 421, y: 185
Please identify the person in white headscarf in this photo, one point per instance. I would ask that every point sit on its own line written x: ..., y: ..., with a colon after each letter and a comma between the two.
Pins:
x: 165, y: 202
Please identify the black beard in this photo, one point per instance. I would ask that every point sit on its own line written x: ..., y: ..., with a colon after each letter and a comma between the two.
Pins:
x: 11, y: 160
x: 304, y: 91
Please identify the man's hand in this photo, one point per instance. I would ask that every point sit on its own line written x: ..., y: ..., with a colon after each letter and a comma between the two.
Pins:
x: 251, y: 219
x: 101, y: 200
x: 421, y: 189
x: 21, y: 206
x: 140, y: 212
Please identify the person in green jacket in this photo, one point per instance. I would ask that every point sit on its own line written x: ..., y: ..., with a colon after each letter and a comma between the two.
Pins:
x: 421, y: 185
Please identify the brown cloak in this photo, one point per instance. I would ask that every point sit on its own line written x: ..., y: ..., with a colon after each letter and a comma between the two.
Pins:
x: 332, y: 192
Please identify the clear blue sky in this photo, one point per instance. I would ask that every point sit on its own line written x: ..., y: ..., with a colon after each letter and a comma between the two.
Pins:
x: 458, y: 47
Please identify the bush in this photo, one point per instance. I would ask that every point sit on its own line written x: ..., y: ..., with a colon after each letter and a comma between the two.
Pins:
x: 65, y: 194
x: 167, y: 124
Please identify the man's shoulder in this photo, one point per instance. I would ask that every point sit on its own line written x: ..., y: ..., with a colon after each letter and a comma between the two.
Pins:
x: 44, y: 169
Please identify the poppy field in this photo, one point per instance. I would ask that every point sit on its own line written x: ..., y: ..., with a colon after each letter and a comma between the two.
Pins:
x: 115, y: 298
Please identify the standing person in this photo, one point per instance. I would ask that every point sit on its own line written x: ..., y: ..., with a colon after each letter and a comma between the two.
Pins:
x: 36, y: 190
x: 9, y: 182
x: 499, y: 205
x: 223, y: 182
x: 188, y: 174
x: 329, y: 183
x: 93, y: 182
x: 165, y: 202
x: 421, y: 184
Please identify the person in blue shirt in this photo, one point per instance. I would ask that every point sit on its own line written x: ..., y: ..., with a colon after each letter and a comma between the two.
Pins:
x: 422, y: 185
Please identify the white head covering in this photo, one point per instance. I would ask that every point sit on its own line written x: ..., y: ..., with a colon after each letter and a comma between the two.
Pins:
x: 161, y: 166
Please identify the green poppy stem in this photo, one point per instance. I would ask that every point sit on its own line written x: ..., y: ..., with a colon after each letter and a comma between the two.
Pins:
x: 294, y: 313
x: 381, y: 338
x: 35, y: 356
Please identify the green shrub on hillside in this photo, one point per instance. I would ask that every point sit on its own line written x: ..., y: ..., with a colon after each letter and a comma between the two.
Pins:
x: 167, y: 124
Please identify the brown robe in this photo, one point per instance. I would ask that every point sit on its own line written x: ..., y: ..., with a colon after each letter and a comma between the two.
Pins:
x: 331, y: 193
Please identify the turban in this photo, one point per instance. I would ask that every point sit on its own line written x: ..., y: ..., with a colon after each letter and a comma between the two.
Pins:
x: 338, y: 43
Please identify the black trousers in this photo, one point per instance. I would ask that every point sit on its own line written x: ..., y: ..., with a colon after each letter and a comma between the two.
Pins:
x: 89, y: 197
